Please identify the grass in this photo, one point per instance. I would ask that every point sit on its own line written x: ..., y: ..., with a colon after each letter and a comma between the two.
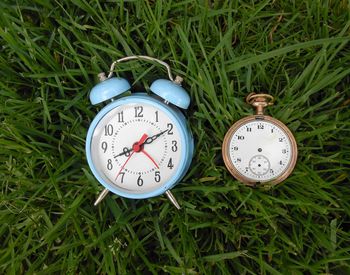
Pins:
x: 298, y: 51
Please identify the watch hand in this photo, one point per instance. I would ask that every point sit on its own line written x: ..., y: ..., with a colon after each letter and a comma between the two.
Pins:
x: 125, y: 152
x: 147, y: 155
x: 136, y: 148
x: 137, y: 144
x: 153, y: 138
x: 121, y: 169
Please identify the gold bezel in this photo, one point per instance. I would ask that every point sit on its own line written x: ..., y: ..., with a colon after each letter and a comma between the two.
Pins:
x: 235, y: 172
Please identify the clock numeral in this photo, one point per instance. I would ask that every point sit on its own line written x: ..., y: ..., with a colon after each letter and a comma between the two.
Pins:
x: 240, y: 137
x: 139, y: 181
x: 138, y: 111
x: 281, y: 163
x: 174, y: 147
x: 239, y: 160
x: 235, y: 148
x: 108, y: 130
x: 122, y: 178
x: 121, y: 117
x: 271, y: 130
x: 249, y: 129
x: 157, y: 176
x: 157, y: 116
x: 170, y: 127
x: 170, y: 163
x: 280, y: 140
x: 260, y: 126
x: 126, y: 151
x: 284, y: 151
x: 271, y: 171
x: 109, y: 164
x: 104, y: 146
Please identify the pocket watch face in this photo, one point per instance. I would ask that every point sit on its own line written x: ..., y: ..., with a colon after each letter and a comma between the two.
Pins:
x: 259, y: 149
x: 136, y: 148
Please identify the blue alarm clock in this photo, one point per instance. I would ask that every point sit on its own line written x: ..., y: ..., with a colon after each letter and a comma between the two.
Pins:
x: 139, y: 146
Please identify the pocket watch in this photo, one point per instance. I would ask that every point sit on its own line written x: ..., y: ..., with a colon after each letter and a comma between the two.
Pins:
x: 259, y: 149
x: 139, y: 146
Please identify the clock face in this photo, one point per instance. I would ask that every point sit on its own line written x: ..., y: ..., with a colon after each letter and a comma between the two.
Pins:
x: 136, y: 148
x: 259, y: 150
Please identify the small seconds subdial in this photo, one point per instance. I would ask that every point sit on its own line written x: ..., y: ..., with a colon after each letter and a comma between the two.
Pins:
x: 259, y: 165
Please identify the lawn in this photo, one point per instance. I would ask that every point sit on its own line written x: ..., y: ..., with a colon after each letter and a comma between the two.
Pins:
x: 51, y: 53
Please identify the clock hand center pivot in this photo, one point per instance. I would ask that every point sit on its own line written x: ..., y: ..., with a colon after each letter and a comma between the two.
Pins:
x: 138, y: 146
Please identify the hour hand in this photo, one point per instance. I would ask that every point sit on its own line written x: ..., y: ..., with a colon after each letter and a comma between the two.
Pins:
x: 153, y: 138
x: 126, y: 151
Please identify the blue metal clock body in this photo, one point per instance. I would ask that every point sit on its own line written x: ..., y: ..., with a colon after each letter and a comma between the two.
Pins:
x: 168, y: 96
x: 179, y: 121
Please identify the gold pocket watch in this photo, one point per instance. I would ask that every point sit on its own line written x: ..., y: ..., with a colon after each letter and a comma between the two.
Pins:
x: 259, y: 149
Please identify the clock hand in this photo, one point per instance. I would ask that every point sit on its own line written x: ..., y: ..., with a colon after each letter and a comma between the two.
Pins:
x: 121, y: 169
x: 125, y: 151
x: 147, y: 155
x: 148, y: 140
x: 153, y: 138
x: 136, y: 148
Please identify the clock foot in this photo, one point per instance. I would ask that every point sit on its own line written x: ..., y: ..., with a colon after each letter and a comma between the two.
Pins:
x: 172, y: 199
x: 100, y: 197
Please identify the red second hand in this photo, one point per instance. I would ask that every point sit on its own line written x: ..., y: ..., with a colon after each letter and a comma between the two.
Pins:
x: 136, y: 146
x: 143, y: 151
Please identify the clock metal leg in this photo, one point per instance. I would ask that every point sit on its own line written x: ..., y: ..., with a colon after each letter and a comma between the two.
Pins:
x: 100, y: 197
x: 172, y: 199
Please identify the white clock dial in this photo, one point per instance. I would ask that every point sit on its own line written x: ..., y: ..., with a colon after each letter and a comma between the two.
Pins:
x: 260, y: 150
x: 136, y: 147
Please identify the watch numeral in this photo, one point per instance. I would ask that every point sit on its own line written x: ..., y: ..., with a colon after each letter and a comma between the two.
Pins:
x: 170, y: 163
x: 239, y: 160
x: 260, y: 126
x: 121, y: 117
x: 108, y: 130
x: 284, y: 151
x: 109, y: 164
x: 170, y: 127
x: 235, y: 148
x: 104, y: 146
x: 240, y: 137
x: 122, y: 178
x: 249, y: 129
x: 174, y: 147
x: 280, y: 140
x: 281, y: 163
x: 139, y: 181
x: 157, y: 117
x: 157, y: 176
x: 138, y: 111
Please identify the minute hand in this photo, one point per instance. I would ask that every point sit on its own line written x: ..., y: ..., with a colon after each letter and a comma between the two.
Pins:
x: 153, y: 138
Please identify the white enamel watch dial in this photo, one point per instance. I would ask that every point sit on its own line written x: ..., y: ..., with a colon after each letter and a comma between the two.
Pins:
x: 259, y: 149
x: 136, y: 147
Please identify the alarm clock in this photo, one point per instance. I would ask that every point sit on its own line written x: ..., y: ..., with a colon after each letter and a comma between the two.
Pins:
x: 139, y: 146
x: 259, y: 149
